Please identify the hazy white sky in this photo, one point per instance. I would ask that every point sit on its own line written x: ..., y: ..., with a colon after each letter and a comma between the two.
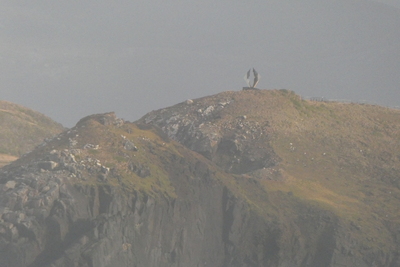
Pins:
x: 69, y: 59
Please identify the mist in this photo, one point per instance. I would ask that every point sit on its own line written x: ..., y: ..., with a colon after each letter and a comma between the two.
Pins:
x: 72, y: 59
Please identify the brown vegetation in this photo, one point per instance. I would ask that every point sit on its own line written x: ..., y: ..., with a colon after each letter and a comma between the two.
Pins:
x: 340, y: 157
x: 22, y: 129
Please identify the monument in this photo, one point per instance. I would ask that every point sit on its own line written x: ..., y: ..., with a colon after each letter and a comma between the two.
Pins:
x: 255, y: 82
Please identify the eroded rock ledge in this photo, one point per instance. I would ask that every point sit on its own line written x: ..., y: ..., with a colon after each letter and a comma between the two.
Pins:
x: 238, y: 144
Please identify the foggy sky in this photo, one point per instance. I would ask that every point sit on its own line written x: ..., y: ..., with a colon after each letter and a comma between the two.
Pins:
x: 70, y: 59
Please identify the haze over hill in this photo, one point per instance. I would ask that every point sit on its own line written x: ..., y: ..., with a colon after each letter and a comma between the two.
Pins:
x: 258, y: 178
x: 21, y: 129
x: 69, y: 59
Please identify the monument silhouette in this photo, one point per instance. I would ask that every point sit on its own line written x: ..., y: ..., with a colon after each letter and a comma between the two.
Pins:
x: 255, y: 82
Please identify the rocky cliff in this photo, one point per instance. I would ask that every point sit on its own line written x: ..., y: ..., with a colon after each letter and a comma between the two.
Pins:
x: 333, y: 158
x: 252, y: 178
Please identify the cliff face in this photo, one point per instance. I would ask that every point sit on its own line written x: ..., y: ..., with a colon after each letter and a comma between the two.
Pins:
x: 113, y: 193
x: 75, y: 203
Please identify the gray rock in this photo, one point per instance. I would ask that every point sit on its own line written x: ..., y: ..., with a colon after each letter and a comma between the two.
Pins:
x: 47, y: 165
x: 91, y: 146
x: 208, y: 110
x: 9, y: 185
x: 140, y: 169
x: 128, y: 145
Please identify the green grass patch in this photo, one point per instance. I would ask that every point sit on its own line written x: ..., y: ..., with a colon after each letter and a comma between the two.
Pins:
x: 93, y: 151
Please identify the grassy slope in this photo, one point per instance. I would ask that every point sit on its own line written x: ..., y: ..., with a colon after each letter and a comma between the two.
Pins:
x: 342, y: 157
x: 22, y: 129
x: 5, y: 159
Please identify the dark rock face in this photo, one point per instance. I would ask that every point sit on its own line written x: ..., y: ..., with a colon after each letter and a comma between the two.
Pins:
x: 48, y: 221
x: 82, y: 225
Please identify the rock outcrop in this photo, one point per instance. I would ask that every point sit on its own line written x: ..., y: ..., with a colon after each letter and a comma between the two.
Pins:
x: 229, y: 143
x: 73, y: 203
x: 252, y: 190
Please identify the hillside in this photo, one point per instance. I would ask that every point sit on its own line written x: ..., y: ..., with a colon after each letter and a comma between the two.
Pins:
x: 113, y: 193
x: 21, y: 130
x: 269, y: 179
x: 343, y: 158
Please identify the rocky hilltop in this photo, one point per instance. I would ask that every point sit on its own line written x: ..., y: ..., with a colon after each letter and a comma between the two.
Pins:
x: 250, y: 178
x: 341, y: 158
x: 22, y: 129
